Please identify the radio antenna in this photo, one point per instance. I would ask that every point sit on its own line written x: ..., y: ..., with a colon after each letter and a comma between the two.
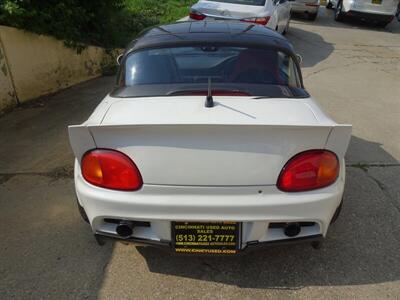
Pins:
x: 209, y: 100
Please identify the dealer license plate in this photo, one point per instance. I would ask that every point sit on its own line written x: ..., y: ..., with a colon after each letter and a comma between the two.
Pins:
x: 376, y: 1
x: 206, y: 238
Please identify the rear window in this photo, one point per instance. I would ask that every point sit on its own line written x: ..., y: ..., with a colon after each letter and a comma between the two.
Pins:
x: 196, y: 65
x: 244, y: 2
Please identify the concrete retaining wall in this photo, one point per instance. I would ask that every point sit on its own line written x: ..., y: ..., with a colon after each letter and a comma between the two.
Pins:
x: 7, y: 94
x: 33, y: 65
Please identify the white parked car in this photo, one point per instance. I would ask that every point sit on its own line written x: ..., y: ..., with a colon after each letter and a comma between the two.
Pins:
x: 274, y: 14
x: 378, y: 11
x: 308, y: 7
x: 210, y: 144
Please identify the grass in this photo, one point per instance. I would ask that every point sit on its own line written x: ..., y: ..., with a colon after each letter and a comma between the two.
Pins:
x: 164, y: 11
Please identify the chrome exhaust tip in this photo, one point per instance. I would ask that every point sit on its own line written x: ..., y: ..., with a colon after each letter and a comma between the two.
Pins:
x: 125, y: 228
x: 292, y: 229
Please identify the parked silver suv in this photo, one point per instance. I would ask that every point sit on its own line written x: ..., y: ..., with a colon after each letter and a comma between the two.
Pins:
x: 378, y: 11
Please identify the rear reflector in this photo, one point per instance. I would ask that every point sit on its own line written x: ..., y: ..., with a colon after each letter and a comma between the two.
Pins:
x: 196, y: 16
x: 309, y: 170
x: 111, y: 169
x: 260, y: 21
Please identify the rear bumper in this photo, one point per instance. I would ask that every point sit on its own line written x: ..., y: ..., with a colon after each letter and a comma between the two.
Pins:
x: 249, y: 247
x: 256, y: 207
x: 271, y: 23
x: 378, y: 17
x: 311, y: 7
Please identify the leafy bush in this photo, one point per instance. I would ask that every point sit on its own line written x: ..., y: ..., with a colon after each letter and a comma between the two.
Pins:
x: 107, y: 23
x: 164, y: 11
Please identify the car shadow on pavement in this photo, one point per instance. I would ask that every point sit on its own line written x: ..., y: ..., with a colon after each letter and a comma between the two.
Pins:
x: 361, y: 247
x: 305, y: 43
x: 361, y: 153
x: 47, y: 251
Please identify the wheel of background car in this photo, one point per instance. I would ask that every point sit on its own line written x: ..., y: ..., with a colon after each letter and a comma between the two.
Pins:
x: 312, y: 17
x: 287, y: 25
x: 286, y: 29
x: 338, y: 11
x: 383, y: 24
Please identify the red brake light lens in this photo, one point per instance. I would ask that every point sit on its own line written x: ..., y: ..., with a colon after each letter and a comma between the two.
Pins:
x: 309, y: 170
x: 261, y: 21
x: 196, y: 16
x: 111, y: 169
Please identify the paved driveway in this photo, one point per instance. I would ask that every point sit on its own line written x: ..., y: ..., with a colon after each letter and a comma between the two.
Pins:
x: 46, y: 251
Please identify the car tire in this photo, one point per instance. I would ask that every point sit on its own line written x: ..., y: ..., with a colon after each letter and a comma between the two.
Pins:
x: 339, y: 16
x: 383, y: 24
x: 329, y: 5
x: 312, y: 17
x: 317, y: 245
x: 82, y: 212
x: 286, y: 28
x: 337, y: 213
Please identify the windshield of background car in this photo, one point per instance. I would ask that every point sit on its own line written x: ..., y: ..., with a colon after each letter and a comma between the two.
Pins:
x: 196, y: 65
x: 244, y: 2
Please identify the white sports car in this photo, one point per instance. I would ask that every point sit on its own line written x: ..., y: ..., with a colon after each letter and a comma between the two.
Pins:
x: 210, y: 144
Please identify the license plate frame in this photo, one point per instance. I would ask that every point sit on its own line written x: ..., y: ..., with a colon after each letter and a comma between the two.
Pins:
x: 206, y: 237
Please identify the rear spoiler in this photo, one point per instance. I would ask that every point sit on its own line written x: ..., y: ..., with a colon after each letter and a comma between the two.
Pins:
x: 339, y: 139
x: 81, y: 138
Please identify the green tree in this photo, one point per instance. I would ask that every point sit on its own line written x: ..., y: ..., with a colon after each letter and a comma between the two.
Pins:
x: 107, y: 23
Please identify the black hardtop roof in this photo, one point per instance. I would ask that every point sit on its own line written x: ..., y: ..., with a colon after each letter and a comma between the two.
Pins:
x: 214, y: 32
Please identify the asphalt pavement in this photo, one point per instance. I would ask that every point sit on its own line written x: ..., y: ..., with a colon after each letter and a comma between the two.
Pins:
x: 48, y: 252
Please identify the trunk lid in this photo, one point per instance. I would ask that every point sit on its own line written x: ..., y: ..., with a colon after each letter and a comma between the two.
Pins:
x: 228, y: 10
x: 239, y: 142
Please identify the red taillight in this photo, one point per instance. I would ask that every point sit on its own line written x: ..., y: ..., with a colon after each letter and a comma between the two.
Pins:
x: 111, y: 169
x: 261, y: 21
x: 309, y: 170
x: 196, y: 16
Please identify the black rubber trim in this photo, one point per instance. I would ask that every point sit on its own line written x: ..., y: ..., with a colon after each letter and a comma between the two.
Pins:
x: 82, y: 212
x: 250, y: 247
x: 293, y: 241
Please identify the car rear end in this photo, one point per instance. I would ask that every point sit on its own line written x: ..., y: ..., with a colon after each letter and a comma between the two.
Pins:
x: 374, y: 10
x: 309, y: 7
x: 230, y: 171
x: 157, y: 164
x: 252, y: 11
